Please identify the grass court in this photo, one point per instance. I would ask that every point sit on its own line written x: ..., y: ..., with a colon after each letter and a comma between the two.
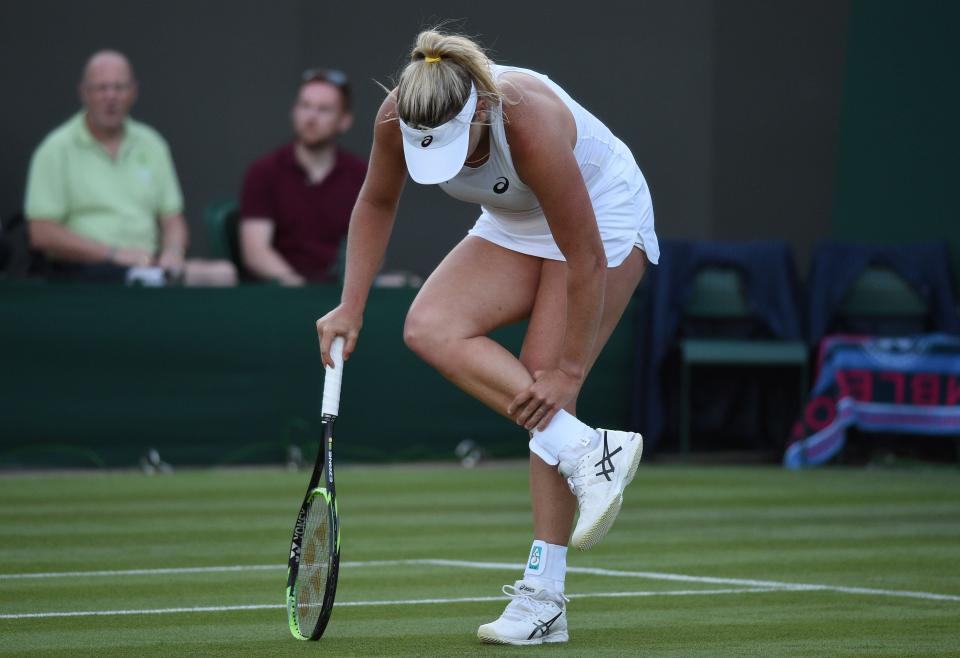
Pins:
x: 703, y: 561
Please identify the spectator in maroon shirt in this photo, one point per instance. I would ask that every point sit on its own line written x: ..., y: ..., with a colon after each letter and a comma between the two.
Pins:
x: 296, y: 201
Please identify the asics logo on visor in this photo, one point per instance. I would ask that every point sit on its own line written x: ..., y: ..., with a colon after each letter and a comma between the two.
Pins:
x: 435, y: 154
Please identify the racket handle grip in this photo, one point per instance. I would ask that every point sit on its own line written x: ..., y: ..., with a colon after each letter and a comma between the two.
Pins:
x: 332, y: 379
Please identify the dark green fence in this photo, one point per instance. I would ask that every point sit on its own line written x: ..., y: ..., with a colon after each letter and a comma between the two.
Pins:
x: 97, y: 375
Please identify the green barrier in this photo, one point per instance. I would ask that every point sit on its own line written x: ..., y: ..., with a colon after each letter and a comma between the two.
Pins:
x: 96, y: 375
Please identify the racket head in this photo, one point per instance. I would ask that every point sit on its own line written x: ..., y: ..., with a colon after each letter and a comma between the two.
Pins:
x: 314, y: 565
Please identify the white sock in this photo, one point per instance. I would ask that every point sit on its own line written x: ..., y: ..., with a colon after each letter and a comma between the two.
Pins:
x: 546, y: 566
x: 564, y: 435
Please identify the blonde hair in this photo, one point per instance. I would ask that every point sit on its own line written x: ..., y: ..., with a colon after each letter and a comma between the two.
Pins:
x: 434, y: 86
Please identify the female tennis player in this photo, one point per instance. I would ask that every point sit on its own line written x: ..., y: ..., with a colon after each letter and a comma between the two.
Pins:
x: 564, y: 235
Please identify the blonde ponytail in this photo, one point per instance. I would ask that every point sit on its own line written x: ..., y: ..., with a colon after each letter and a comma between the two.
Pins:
x: 434, y: 86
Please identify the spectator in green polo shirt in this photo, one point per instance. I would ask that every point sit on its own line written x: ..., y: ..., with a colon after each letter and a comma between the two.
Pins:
x: 102, y: 192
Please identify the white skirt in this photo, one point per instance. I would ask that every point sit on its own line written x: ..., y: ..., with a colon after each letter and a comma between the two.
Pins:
x: 624, y: 217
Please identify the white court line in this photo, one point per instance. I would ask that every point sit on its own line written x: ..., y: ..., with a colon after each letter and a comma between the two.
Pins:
x: 675, y: 577
x: 110, y: 573
x: 509, y: 566
x: 346, y: 604
x: 138, y: 572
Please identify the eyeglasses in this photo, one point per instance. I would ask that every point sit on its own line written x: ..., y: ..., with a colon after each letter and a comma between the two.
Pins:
x: 119, y: 88
x: 334, y: 77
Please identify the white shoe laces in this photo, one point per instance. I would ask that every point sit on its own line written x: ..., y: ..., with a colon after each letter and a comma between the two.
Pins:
x: 520, y: 597
x: 578, y: 480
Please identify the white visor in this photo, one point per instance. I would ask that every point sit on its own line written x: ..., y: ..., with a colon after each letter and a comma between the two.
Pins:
x: 437, y: 154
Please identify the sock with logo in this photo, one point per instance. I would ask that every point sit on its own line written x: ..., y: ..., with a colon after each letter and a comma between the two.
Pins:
x: 565, y: 436
x: 546, y: 566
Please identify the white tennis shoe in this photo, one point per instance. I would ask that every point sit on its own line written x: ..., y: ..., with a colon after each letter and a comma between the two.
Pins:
x: 598, y: 479
x: 533, y: 616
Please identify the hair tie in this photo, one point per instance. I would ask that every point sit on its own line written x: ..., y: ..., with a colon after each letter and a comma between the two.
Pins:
x: 428, y: 59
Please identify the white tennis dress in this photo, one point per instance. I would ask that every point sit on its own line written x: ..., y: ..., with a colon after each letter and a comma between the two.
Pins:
x: 512, y: 216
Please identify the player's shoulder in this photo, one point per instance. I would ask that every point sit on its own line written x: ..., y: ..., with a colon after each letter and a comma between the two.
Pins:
x: 386, y: 127
x: 528, y: 97
x: 533, y: 114
x: 388, y: 107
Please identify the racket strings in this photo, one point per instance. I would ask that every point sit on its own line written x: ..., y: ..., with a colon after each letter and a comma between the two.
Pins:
x: 314, y: 565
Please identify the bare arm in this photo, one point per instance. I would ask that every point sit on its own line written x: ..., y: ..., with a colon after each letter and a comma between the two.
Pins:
x: 541, y: 132
x: 60, y: 243
x: 173, y: 242
x: 256, y: 245
x: 370, y: 226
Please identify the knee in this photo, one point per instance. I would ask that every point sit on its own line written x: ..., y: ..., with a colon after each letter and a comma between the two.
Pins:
x: 426, y: 333
x: 417, y: 332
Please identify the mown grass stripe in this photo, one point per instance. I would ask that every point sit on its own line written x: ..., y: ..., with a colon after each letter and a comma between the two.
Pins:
x: 502, y: 566
x: 346, y: 604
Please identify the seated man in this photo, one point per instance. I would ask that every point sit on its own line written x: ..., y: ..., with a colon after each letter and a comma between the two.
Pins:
x: 102, y: 192
x: 296, y: 201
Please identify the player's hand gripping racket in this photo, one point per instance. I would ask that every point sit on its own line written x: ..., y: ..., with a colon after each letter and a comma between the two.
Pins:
x: 315, y: 550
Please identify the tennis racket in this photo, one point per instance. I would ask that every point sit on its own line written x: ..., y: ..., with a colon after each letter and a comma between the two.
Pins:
x: 315, y: 550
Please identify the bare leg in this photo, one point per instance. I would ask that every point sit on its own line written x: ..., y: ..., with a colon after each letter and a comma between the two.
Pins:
x: 553, y: 503
x: 477, y: 288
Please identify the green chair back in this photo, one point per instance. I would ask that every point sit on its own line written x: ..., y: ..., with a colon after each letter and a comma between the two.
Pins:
x: 221, y: 221
x: 880, y: 292
x: 717, y: 293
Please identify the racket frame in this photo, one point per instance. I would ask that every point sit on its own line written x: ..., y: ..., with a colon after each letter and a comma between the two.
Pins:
x: 316, y: 495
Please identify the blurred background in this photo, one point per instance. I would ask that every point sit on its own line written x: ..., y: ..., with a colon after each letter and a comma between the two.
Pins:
x: 789, y: 122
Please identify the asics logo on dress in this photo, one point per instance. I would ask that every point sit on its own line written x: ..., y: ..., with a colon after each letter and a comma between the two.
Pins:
x: 502, y: 185
x: 606, y: 463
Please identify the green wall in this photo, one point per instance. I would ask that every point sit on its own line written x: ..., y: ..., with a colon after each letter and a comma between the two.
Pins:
x: 97, y: 375
x: 899, y: 161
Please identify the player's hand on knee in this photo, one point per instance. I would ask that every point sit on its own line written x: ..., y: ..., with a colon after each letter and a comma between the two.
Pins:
x: 338, y: 322
x: 536, y: 406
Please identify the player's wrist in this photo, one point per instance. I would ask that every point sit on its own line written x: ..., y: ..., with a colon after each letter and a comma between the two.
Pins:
x: 352, y: 307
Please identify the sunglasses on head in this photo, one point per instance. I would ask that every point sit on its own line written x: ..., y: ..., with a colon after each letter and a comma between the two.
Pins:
x: 333, y: 76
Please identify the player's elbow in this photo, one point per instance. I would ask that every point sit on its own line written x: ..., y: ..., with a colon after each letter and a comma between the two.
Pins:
x: 588, y: 263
